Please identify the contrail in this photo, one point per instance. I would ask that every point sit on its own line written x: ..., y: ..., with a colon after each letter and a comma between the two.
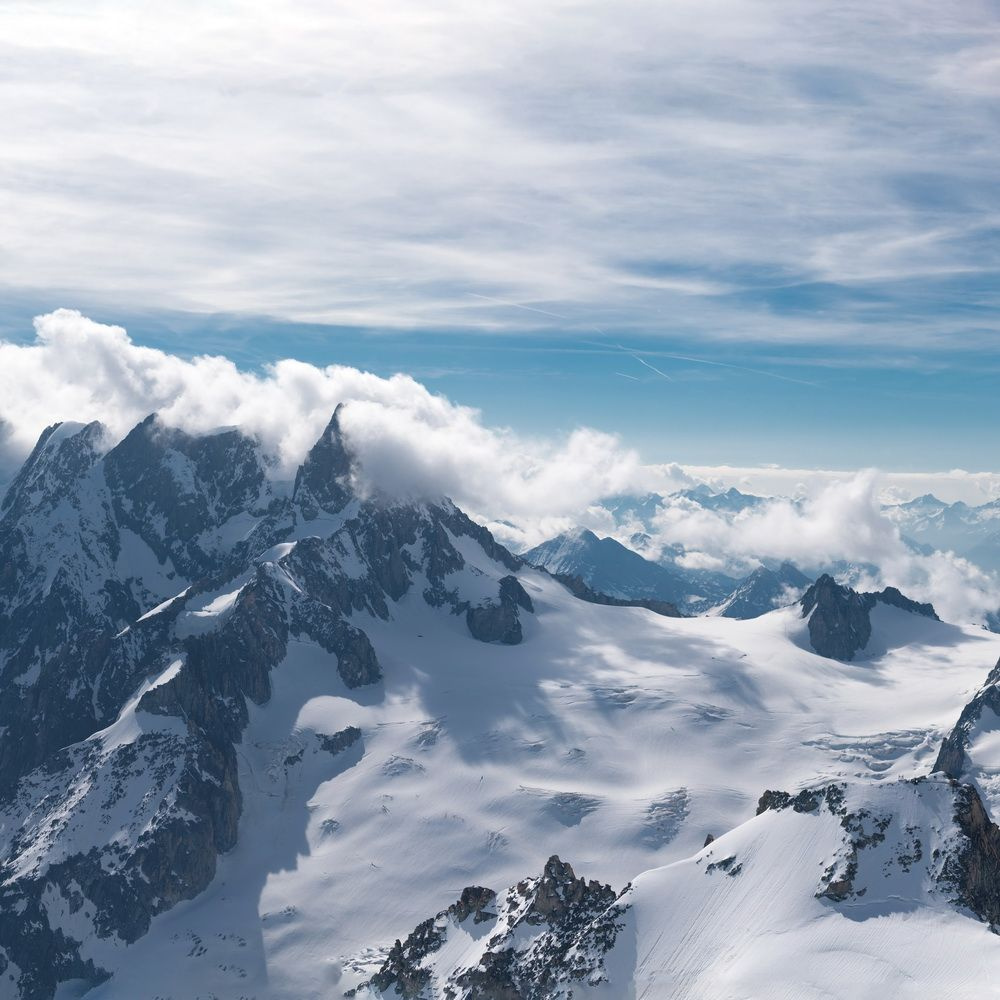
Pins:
x: 740, y: 368
x: 517, y: 305
x: 704, y: 361
x: 632, y: 377
x: 651, y: 367
x: 658, y: 354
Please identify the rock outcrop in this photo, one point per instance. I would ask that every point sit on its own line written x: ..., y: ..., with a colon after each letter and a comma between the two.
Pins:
x: 542, y: 936
x: 839, y: 621
x: 840, y: 618
x: 499, y: 621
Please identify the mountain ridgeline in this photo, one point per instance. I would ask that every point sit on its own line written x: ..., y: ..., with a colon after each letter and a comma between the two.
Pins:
x: 146, y: 594
x: 256, y: 736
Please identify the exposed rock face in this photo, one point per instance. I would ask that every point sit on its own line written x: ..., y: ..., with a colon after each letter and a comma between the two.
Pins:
x: 976, y: 870
x: 500, y: 622
x: 839, y: 623
x: 951, y: 758
x: 896, y: 835
x: 109, y: 712
x: 894, y: 598
x: 840, y: 618
x: 545, y: 934
x: 324, y: 480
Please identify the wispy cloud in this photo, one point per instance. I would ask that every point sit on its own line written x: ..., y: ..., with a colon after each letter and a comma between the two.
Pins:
x: 689, y: 167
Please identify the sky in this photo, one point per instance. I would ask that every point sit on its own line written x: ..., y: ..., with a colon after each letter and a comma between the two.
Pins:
x: 727, y: 233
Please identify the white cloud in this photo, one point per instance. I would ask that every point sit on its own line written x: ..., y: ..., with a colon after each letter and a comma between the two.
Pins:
x: 376, y: 163
x: 842, y: 522
x: 413, y: 442
x: 409, y: 440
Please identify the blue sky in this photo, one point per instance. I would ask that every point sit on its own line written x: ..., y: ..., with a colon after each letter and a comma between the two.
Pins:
x: 515, y: 203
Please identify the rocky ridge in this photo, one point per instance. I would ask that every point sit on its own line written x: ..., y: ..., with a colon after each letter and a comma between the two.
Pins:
x: 537, y: 940
x: 121, y: 723
x: 839, y: 618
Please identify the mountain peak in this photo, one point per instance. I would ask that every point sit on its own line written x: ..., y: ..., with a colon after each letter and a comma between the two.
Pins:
x: 839, y: 623
x: 63, y: 453
x: 323, y: 480
x: 840, y: 618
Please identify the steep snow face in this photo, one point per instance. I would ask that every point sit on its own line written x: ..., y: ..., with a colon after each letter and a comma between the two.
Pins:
x: 765, y: 911
x: 611, y: 736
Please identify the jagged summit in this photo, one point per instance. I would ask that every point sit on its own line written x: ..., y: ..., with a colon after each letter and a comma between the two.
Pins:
x: 543, y: 937
x: 323, y: 481
x: 840, y: 618
x: 63, y: 453
x: 149, y: 592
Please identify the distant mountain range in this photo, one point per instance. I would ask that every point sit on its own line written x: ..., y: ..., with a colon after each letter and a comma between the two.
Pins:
x: 640, y: 567
x: 612, y: 568
x: 972, y: 532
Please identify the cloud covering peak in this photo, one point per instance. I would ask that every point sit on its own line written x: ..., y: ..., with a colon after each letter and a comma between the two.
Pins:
x: 409, y: 441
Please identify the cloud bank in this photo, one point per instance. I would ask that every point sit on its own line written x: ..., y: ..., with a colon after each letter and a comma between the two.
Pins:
x: 411, y: 442
x: 842, y: 524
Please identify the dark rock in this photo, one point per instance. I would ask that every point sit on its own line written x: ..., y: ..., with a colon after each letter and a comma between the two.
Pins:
x: 340, y: 741
x: 550, y: 932
x: 894, y: 598
x: 323, y: 481
x: 511, y: 591
x: 976, y: 871
x: 808, y: 800
x: 840, y: 618
x: 476, y: 902
x: 499, y: 621
x: 951, y: 758
x: 839, y: 622
x: 495, y: 623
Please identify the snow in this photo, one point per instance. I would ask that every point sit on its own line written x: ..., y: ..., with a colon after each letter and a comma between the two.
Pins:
x: 612, y: 736
x: 127, y: 727
x: 205, y: 612
x: 691, y: 933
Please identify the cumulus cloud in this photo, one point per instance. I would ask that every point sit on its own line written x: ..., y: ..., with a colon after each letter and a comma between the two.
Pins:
x: 409, y: 440
x: 842, y: 524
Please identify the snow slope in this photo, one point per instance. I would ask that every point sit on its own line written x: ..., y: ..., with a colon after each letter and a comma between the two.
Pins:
x: 612, y: 736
